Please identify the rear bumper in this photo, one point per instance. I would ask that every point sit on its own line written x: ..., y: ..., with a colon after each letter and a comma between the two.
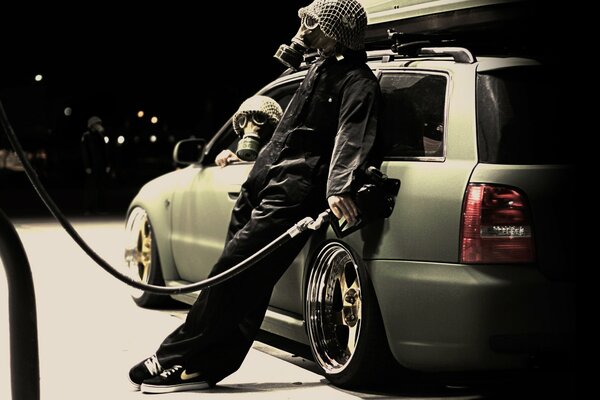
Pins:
x: 452, y: 317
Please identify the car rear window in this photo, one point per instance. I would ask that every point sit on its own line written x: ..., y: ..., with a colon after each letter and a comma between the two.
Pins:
x: 519, y: 118
x: 412, y: 121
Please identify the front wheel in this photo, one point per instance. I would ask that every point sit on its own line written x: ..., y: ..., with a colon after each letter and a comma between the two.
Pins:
x: 141, y: 258
x: 344, y: 324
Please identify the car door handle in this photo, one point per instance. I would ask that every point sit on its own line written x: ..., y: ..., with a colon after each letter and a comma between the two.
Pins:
x: 233, y: 195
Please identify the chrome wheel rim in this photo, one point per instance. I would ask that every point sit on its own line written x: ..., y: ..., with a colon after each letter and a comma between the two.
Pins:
x: 138, y: 250
x: 334, y: 308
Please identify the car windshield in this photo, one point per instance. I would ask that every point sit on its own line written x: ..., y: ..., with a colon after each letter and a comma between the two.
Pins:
x: 519, y: 118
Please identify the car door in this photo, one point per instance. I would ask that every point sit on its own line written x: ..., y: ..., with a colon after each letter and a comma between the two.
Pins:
x: 201, y: 206
x: 428, y: 127
x: 201, y: 211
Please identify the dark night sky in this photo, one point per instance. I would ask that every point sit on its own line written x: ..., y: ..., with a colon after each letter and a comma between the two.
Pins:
x: 110, y: 61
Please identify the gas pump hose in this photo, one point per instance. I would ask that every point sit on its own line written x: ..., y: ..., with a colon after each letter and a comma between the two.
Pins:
x: 301, y: 226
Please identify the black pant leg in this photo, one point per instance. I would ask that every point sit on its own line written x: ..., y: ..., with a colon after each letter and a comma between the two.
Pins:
x: 235, y: 309
x: 242, y: 210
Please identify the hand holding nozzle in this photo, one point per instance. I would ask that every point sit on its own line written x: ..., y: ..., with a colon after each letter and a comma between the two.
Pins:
x: 343, y: 206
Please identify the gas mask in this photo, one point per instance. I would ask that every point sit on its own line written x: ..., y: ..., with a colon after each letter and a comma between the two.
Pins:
x: 255, y: 122
x: 341, y: 21
x: 292, y: 55
x: 252, y: 124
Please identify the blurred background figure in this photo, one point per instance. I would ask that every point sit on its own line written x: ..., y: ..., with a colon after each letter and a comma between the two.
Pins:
x: 94, y: 151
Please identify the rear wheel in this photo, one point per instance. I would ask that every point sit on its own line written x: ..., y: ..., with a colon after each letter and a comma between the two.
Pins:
x: 343, y: 320
x: 141, y: 258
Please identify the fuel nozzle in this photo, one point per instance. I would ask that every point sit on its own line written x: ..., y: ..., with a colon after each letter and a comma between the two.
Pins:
x: 375, y: 200
x: 376, y: 175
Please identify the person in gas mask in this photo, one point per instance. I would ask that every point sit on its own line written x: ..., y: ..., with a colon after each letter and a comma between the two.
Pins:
x: 315, y: 159
x: 254, y: 123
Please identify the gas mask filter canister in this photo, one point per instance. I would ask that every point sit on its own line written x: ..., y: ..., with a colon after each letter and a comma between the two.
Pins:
x: 250, y: 143
x: 292, y: 55
x: 248, y: 147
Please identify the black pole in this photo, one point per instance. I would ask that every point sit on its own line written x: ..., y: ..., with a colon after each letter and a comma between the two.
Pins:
x: 24, y: 356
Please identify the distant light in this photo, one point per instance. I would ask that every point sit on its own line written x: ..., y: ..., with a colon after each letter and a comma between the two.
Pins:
x: 38, y: 77
x: 136, y: 139
x: 68, y: 111
x: 153, y: 138
x: 154, y: 120
x: 106, y: 139
x: 171, y: 138
x: 140, y: 114
x: 120, y: 140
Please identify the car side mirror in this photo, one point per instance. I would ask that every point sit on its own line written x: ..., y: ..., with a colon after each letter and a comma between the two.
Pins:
x: 189, y: 151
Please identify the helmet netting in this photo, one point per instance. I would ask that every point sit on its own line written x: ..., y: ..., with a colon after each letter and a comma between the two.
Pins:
x: 344, y: 21
x: 262, y: 104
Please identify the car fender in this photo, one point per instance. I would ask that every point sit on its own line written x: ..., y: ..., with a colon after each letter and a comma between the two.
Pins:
x: 155, y: 197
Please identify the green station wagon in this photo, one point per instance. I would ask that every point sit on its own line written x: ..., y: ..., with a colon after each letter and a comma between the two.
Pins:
x: 473, y: 270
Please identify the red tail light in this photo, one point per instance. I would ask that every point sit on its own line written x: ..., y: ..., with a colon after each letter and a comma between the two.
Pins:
x: 496, y: 226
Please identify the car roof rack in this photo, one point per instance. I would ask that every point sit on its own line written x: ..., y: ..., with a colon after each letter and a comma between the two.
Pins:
x: 459, y: 54
x: 419, y: 44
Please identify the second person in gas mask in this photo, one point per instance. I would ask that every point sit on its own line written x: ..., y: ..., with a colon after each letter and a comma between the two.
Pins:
x: 314, y: 159
x: 254, y: 122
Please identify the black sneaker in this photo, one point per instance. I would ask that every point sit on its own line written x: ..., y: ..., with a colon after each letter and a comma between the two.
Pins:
x: 175, y: 379
x: 144, y: 370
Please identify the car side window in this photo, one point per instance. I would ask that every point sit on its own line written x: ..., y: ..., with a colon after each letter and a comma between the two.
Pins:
x: 413, y: 115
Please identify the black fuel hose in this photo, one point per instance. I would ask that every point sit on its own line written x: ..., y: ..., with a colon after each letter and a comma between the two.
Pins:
x: 212, y: 281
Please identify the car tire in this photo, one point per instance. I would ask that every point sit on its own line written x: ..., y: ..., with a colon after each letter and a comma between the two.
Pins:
x: 343, y: 320
x: 141, y: 258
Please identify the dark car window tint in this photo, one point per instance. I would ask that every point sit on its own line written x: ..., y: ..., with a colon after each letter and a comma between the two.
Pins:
x: 412, y: 119
x: 519, y: 118
x: 285, y: 99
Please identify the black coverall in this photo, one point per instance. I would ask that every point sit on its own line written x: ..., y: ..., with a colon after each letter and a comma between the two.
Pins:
x: 323, y: 141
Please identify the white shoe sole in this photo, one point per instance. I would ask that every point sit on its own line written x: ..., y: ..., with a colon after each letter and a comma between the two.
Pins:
x: 135, y: 387
x: 147, y: 388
